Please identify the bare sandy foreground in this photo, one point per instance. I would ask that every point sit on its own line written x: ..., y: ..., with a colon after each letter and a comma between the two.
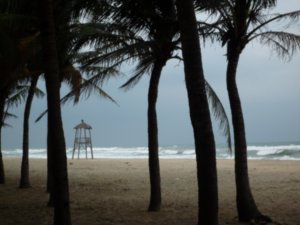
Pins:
x: 106, y: 192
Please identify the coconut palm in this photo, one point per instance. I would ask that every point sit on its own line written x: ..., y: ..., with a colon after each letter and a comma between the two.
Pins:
x: 14, y: 96
x: 161, y: 32
x: 238, y: 23
x: 3, y: 114
x: 15, y: 34
x: 200, y: 116
x: 148, y: 34
x: 2, y: 109
x: 68, y: 74
x: 3, y: 124
x: 11, y: 93
x: 56, y: 134
x: 31, y: 54
x: 24, y: 178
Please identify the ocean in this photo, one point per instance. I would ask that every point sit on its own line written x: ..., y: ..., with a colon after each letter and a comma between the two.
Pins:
x: 269, y: 151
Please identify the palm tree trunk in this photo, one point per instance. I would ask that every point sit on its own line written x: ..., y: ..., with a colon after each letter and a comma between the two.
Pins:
x: 154, y: 170
x: 24, y: 180
x: 2, y: 107
x: 49, y: 169
x: 59, y: 162
x: 2, y: 173
x: 200, y: 116
x: 246, y: 206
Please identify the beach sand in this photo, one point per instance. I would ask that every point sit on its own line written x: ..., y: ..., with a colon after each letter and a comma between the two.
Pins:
x: 116, y: 191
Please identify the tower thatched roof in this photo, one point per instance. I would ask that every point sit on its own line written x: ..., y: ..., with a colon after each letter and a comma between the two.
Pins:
x: 83, y: 125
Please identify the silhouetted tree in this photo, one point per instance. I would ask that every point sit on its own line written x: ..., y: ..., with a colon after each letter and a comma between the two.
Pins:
x: 238, y: 23
x: 56, y: 134
x: 24, y: 179
x: 200, y: 116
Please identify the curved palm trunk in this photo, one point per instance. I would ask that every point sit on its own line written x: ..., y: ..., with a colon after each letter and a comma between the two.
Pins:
x: 154, y: 170
x: 24, y: 180
x: 200, y: 116
x: 2, y: 106
x: 246, y: 206
x: 60, y: 187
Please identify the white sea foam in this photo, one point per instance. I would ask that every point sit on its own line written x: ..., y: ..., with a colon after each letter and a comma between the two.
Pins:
x: 273, y: 152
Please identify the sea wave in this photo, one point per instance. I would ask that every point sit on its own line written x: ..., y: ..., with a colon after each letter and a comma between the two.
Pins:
x: 262, y: 152
x: 284, y: 152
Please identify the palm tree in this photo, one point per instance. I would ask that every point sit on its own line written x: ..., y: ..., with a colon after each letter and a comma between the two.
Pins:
x: 237, y: 24
x: 12, y: 96
x: 32, y: 56
x: 148, y: 34
x: 200, y: 116
x: 14, y: 27
x: 3, y: 124
x: 24, y: 179
x: 8, y: 60
x: 2, y: 109
x: 151, y: 58
x: 56, y: 134
x: 161, y: 33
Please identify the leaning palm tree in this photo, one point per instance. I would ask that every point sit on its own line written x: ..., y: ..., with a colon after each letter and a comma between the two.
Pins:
x: 238, y: 23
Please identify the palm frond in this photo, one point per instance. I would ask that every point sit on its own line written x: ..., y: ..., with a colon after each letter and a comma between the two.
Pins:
x: 291, y: 16
x: 144, y: 66
x: 87, y: 88
x: 18, y: 96
x: 41, y: 116
x: 260, y: 5
x: 283, y: 43
x: 219, y: 113
x: 91, y: 8
x: 108, y: 57
x: 39, y: 93
x: 8, y: 115
x: 99, y: 35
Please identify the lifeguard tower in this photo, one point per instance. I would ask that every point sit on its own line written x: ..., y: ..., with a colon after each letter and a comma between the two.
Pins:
x: 83, y: 139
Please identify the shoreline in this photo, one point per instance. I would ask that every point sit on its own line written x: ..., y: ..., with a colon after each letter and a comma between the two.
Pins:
x: 284, y: 151
x: 116, y: 191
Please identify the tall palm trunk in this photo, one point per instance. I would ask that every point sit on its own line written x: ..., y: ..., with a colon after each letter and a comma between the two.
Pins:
x: 2, y: 173
x: 154, y: 170
x: 49, y: 168
x: 246, y: 206
x: 60, y: 187
x: 200, y: 116
x: 2, y: 108
x: 24, y: 180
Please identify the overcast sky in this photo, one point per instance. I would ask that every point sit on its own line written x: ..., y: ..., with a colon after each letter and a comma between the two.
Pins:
x: 269, y: 90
